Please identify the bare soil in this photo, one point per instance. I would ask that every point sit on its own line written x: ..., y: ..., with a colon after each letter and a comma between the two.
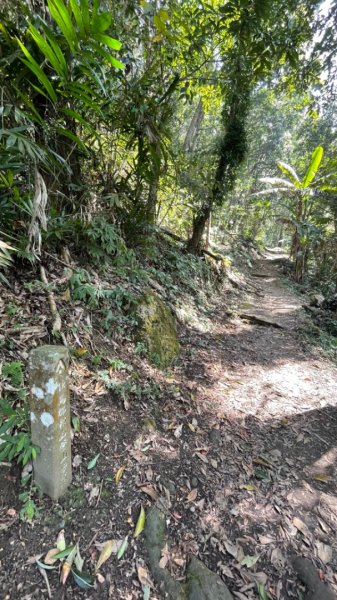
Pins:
x: 239, y: 438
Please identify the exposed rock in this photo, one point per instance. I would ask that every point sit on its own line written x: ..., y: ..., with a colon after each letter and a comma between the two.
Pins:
x: 157, y: 329
x: 155, y: 532
x: 215, y: 437
x: 316, y: 300
x: 260, y: 320
x: 201, y: 583
x: 317, y: 590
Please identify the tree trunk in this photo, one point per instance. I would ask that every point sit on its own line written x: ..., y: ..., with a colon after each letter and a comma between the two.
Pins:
x: 208, y: 232
x: 194, y: 245
x: 151, y: 206
x: 192, y: 132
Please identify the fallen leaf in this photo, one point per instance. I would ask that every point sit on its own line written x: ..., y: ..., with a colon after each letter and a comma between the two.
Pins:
x: 149, y: 474
x: 277, y: 559
x: 79, y: 352
x: 45, y: 577
x: 178, y: 431
x: 79, y: 562
x: 83, y: 580
x: 42, y: 565
x: 165, y: 557
x: 324, y: 552
x: 61, y: 542
x: 143, y: 576
x: 323, y: 477
x: 202, y: 457
x: 105, y: 553
x: 100, y: 578
x: 119, y: 473
x: 260, y: 460
x: 302, y: 527
x: 66, y: 567
x: 122, y: 548
x: 140, y: 523
x: 77, y: 461
x: 49, y: 558
x: 66, y: 296
x: 266, y: 539
x: 249, y: 561
x: 262, y: 592
x: 92, y: 463
x: 234, y: 549
x: 250, y: 487
x: 192, y: 495
x: 150, y: 491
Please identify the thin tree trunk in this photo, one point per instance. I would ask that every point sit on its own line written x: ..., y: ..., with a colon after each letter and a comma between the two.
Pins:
x: 194, y: 244
x: 192, y: 132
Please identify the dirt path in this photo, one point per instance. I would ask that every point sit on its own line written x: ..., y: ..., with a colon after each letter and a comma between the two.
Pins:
x: 238, y: 442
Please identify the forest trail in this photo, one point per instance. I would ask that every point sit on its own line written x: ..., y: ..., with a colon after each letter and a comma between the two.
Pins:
x: 275, y: 396
x: 282, y: 376
x: 236, y: 444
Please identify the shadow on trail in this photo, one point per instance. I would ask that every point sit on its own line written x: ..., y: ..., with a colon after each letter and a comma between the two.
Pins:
x: 252, y: 345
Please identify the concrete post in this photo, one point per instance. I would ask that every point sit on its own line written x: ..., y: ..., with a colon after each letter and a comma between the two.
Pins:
x: 50, y: 418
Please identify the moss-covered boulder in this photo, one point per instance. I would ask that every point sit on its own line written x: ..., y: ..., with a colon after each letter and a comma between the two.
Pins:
x: 157, y: 329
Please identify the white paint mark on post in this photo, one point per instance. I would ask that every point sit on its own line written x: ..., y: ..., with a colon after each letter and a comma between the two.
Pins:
x: 47, y: 419
x: 51, y: 386
x: 38, y: 392
x: 50, y: 418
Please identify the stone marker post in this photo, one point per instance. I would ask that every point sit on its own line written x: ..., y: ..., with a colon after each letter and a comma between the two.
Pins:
x: 50, y: 418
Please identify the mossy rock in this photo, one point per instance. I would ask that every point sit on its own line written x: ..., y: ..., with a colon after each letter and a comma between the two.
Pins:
x: 157, y: 329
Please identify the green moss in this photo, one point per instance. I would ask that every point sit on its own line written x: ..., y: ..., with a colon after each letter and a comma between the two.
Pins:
x: 157, y: 329
x: 75, y: 498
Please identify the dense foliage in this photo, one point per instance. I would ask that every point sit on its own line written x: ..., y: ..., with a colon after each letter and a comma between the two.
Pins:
x: 121, y: 118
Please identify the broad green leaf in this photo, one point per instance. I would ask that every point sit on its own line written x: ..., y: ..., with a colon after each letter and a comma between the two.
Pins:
x: 78, y: 16
x: 276, y: 180
x: 164, y: 16
x: 159, y: 24
x: 93, y: 461
x: 290, y: 172
x: 57, y: 51
x: 74, y: 138
x: 36, y: 69
x: 83, y: 580
x: 108, y: 41
x: 316, y: 158
x: 7, y: 424
x: 75, y: 115
x: 60, y: 14
x: 85, y: 14
x: 140, y: 523
x: 47, y: 50
x: 110, y: 59
x: 122, y: 548
x: 102, y: 22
